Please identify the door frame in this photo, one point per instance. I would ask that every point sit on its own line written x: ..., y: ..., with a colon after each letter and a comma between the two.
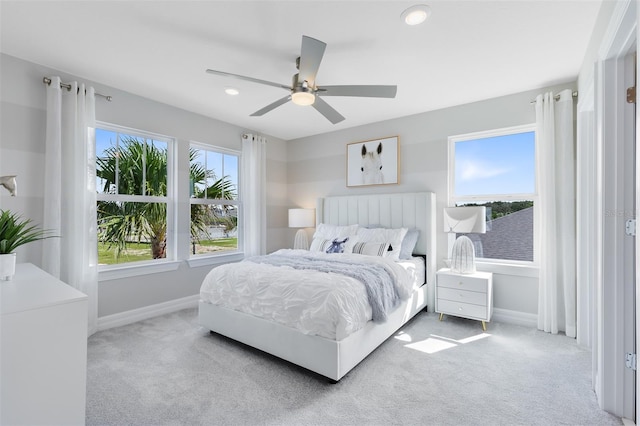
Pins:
x: 614, y: 329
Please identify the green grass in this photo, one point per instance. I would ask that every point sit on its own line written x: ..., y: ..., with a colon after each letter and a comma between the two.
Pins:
x: 137, y: 252
x: 222, y: 242
x: 210, y: 246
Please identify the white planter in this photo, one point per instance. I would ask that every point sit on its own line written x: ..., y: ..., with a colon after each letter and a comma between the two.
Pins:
x: 7, y: 266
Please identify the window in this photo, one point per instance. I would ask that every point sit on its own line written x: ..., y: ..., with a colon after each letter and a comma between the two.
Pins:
x: 133, y: 181
x: 497, y: 169
x: 214, y: 200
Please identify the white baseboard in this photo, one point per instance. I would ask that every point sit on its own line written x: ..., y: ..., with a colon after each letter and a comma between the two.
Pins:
x: 515, y: 317
x: 135, y: 315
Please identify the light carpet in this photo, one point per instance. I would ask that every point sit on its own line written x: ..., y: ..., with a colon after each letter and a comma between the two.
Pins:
x: 170, y: 371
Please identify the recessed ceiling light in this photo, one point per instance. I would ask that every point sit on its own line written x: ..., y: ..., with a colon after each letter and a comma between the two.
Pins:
x: 231, y: 91
x: 416, y: 14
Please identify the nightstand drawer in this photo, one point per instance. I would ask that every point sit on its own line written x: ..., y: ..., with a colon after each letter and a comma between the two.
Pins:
x: 466, y: 310
x: 462, y: 282
x: 457, y: 295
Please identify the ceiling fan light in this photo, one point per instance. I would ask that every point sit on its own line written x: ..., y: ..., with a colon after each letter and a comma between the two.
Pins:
x: 416, y: 14
x: 303, y: 98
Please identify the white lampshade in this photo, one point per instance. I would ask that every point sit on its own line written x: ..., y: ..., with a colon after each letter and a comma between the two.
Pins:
x: 301, y: 218
x: 463, y: 220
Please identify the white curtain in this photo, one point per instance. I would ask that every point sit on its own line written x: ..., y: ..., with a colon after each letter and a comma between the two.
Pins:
x: 253, y: 193
x: 70, y: 190
x: 556, y: 183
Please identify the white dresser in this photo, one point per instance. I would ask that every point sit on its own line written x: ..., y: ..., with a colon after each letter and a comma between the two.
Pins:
x: 465, y: 295
x: 43, y: 361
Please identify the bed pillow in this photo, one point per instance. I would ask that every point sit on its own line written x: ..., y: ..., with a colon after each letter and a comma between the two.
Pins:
x: 337, y: 245
x: 409, y: 243
x: 371, y: 249
x: 319, y: 244
x: 331, y: 232
x: 393, y: 236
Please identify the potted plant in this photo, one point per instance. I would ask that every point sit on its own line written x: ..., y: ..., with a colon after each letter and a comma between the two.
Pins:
x: 14, y: 232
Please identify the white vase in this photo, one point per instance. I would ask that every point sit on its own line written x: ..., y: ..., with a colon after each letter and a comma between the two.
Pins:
x: 7, y: 266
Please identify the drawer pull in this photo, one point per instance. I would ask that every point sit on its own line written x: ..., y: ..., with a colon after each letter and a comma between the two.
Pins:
x: 459, y: 282
x: 461, y: 296
x: 460, y: 308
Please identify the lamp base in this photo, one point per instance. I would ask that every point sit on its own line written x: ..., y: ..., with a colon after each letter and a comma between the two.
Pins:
x: 463, y: 256
x: 301, y: 241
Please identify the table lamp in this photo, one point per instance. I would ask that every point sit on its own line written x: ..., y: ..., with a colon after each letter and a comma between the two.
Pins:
x: 464, y: 220
x: 301, y: 218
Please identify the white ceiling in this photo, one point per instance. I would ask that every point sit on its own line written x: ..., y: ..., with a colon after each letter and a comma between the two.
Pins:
x: 467, y: 51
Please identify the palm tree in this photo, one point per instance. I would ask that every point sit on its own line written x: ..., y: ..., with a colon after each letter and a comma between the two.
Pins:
x: 141, y: 169
x: 203, y: 215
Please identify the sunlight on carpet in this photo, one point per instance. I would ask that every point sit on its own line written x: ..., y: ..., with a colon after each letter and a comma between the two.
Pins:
x: 437, y: 343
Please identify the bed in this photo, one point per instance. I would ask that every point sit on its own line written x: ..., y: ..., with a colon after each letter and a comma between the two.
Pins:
x: 333, y: 357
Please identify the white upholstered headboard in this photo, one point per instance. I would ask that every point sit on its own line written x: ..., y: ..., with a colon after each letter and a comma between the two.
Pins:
x: 408, y: 210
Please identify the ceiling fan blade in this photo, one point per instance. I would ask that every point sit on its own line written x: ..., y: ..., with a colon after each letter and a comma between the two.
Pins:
x: 327, y: 110
x: 242, y: 77
x: 311, y: 55
x: 271, y: 106
x: 361, y: 91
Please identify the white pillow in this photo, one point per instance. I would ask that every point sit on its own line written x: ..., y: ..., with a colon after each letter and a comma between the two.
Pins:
x: 371, y: 249
x: 383, y: 235
x: 409, y: 243
x: 331, y: 232
x: 320, y: 244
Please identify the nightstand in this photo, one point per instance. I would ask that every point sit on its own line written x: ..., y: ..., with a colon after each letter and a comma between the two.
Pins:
x: 465, y: 295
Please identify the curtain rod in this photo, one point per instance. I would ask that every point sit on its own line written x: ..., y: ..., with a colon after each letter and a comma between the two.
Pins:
x: 47, y: 81
x: 556, y: 97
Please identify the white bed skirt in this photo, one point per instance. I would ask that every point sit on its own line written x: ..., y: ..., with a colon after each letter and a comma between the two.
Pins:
x: 330, y: 358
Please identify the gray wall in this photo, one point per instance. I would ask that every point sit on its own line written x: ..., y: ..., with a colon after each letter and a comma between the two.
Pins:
x: 298, y: 171
x: 317, y: 167
x: 22, y: 130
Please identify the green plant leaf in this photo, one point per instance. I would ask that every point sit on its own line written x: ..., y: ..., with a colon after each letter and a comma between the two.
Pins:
x: 16, y: 231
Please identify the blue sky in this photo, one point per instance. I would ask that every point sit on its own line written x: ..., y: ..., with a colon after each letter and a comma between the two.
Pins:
x: 106, y: 139
x: 103, y: 141
x: 220, y: 164
x: 495, y: 165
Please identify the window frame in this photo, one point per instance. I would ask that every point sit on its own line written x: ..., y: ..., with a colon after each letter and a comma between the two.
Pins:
x: 516, y: 267
x: 178, y: 217
x: 201, y: 259
x: 171, y: 262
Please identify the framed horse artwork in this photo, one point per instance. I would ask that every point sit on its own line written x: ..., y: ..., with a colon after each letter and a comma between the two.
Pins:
x: 373, y: 162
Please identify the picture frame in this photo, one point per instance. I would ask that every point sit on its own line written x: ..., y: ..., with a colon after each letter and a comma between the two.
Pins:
x: 373, y: 162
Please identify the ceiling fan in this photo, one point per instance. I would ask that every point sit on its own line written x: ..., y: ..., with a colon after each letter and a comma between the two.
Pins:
x: 303, y: 89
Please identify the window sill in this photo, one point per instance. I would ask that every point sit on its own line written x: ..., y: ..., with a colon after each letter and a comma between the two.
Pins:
x: 127, y: 271
x: 217, y: 259
x: 515, y: 269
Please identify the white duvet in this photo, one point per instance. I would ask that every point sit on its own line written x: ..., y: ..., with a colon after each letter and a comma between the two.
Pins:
x: 323, y: 304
